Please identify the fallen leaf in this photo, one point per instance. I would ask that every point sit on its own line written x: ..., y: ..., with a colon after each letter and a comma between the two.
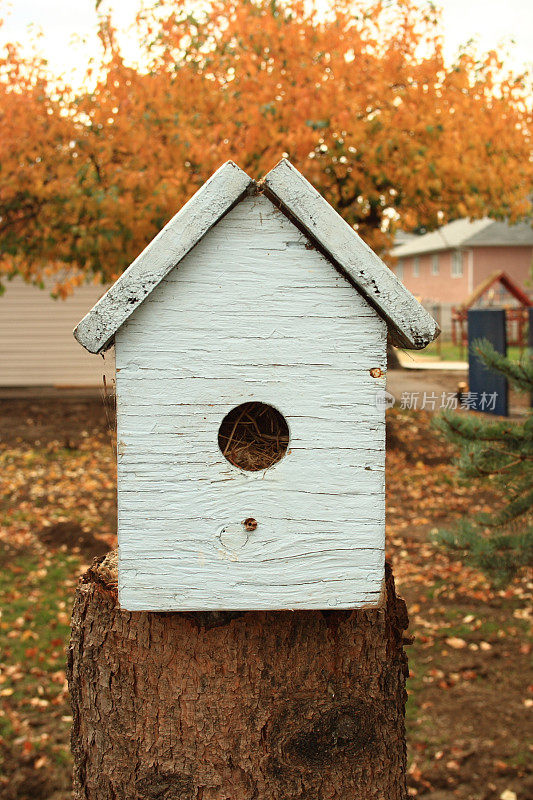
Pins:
x: 456, y: 643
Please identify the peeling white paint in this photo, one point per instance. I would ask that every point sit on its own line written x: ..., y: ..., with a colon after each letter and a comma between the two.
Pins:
x: 251, y: 314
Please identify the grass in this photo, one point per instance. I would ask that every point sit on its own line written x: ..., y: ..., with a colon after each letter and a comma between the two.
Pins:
x: 35, y: 597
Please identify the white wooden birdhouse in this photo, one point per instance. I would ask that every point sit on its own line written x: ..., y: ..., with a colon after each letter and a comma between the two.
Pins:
x: 250, y: 343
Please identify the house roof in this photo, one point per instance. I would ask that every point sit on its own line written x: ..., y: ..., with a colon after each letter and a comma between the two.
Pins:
x: 501, y: 233
x: 401, y: 237
x: 467, y: 233
x: 409, y: 323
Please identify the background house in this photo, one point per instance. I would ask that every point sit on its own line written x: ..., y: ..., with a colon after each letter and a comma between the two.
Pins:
x: 442, y: 268
x: 37, y: 346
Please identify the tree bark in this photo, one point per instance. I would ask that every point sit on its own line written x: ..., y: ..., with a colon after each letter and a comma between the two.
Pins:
x: 235, y: 705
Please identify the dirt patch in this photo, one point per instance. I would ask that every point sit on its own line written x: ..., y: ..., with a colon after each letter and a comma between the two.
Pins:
x: 22, y: 778
x: 25, y: 779
x: 74, y: 538
x: 58, y: 418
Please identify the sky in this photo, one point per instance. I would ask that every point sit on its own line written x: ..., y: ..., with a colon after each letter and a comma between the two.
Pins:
x: 69, y: 28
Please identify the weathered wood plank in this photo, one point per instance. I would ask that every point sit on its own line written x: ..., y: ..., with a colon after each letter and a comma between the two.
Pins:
x: 264, y: 544
x: 270, y: 598
x: 410, y: 323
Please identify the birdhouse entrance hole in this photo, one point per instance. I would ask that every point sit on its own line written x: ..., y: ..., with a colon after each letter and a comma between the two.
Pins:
x: 253, y: 436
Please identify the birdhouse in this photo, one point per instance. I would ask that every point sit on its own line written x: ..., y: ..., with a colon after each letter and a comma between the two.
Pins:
x: 250, y: 344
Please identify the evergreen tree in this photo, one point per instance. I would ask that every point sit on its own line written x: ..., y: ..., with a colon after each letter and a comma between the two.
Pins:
x: 498, y: 452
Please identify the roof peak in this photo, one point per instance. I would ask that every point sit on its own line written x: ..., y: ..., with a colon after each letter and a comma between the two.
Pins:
x: 409, y: 323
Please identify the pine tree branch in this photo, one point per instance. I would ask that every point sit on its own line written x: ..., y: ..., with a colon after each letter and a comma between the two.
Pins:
x: 501, y: 450
x: 519, y: 373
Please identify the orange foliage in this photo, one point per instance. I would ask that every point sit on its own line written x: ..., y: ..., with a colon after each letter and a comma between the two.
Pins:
x: 363, y: 104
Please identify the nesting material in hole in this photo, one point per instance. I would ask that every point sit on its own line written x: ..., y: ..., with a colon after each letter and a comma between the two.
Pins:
x: 253, y: 436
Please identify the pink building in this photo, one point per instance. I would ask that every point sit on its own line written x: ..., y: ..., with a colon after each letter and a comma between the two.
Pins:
x: 445, y: 266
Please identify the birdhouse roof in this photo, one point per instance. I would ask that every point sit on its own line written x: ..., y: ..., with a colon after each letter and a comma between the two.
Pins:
x: 409, y: 323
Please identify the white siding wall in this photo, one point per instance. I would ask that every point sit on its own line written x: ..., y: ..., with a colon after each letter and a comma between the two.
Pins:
x: 251, y: 314
x: 37, y: 347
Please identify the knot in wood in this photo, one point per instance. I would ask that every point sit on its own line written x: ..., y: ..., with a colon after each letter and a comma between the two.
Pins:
x: 159, y: 785
x: 329, y: 735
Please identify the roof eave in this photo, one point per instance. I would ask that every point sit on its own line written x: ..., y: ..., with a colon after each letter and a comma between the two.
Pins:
x: 211, y: 202
x: 410, y: 325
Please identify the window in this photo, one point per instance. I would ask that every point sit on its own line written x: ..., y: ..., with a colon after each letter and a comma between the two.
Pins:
x: 399, y: 269
x: 457, y: 264
x: 416, y: 267
x: 435, y: 264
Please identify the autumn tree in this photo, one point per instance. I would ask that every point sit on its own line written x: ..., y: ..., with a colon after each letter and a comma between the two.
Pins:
x: 363, y: 102
x: 39, y: 186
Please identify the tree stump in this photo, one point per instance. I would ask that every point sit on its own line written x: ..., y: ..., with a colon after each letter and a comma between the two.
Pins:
x: 235, y: 705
